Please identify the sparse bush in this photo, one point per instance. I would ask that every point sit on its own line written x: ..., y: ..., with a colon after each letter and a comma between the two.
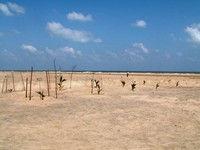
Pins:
x: 61, y: 80
x: 133, y: 85
x: 41, y: 95
x: 123, y: 83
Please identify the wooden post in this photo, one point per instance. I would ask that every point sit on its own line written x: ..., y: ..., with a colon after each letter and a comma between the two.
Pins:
x: 92, y: 83
x: 26, y: 87
x: 56, y: 90
x: 40, y: 89
x: 22, y: 81
x: 31, y: 83
x: 47, y: 77
x: 13, y: 81
x: 6, y: 83
x: 71, y: 74
x: 101, y: 81
x: 3, y: 85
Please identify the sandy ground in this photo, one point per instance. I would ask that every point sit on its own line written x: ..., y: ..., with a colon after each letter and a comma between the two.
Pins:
x: 117, y: 119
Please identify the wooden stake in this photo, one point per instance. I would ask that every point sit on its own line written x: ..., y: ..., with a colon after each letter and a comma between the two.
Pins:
x: 26, y: 87
x: 40, y: 89
x: 71, y: 74
x: 22, y: 81
x: 3, y: 85
x: 6, y: 83
x: 92, y: 83
x: 47, y: 77
x: 56, y: 88
x: 13, y: 81
x: 31, y: 83
x: 101, y: 81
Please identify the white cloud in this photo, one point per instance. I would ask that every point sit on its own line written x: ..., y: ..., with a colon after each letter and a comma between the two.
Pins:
x: 140, y: 23
x: 179, y: 54
x: 67, y: 33
x: 51, y: 52
x: 112, y: 54
x: 131, y: 53
x: 15, y: 31
x: 10, y: 9
x: 63, y: 52
x: 134, y: 56
x: 16, y: 8
x: 74, y: 16
x: 194, y: 33
x: 190, y: 59
x: 140, y: 46
x: 29, y: 48
x: 167, y: 55
x: 78, y: 53
x: 1, y: 34
x: 97, y: 40
x: 5, y: 54
x: 5, y: 10
x: 71, y: 51
x: 93, y: 56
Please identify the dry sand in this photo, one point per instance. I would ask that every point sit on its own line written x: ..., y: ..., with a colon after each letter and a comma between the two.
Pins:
x: 117, y: 119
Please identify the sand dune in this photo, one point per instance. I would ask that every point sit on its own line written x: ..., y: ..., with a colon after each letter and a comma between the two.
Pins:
x: 147, y: 118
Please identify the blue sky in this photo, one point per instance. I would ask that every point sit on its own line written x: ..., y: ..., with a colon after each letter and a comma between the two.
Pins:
x: 114, y: 35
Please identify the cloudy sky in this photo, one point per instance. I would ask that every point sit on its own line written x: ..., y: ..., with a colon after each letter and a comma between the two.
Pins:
x: 114, y: 35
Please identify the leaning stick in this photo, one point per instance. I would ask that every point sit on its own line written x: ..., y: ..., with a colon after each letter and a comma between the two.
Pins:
x: 13, y: 81
x: 55, y: 78
x: 3, y: 85
x: 6, y: 83
x: 92, y: 83
x: 26, y: 87
x: 47, y: 77
x: 22, y: 81
x: 101, y: 81
x: 31, y: 83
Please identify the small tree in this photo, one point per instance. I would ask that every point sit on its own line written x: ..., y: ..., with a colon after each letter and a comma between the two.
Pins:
x: 177, y: 84
x: 123, y: 83
x: 99, y: 89
x: 133, y: 85
x: 96, y: 83
x: 61, y: 80
x: 41, y: 95
x: 157, y: 85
